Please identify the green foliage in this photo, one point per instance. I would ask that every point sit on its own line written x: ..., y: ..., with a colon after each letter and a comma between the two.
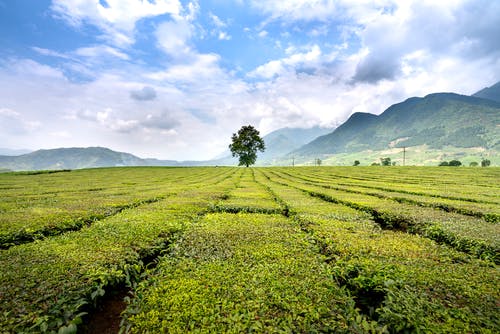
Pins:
x: 245, y: 145
x: 239, y: 273
x: 485, y: 163
x: 47, y: 285
x: 455, y: 163
x: 402, y: 282
x: 473, y: 164
x: 444, y: 163
x: 304, y: 249
x: 415, y: 215
x: 385, y: 161
x: 356, y: 163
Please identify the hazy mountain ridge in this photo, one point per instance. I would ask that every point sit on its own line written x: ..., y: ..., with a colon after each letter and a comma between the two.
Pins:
x: 70, y: 158
x: 491, y: 93
x: 285, y: 140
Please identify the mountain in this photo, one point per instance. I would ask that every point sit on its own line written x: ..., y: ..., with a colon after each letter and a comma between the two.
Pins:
x: 491, y: 93
x: 436, y: 120
x: 70, y: 158
x: 90, y: 157
x: 285, y: 140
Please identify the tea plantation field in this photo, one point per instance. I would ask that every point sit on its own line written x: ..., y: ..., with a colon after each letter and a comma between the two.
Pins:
x: 272, y: 250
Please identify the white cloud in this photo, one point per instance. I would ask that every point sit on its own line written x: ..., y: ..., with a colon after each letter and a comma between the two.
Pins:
x: 199, y: 68
x: 173, y: 38
x: 279, y: 67
x: 117, y: 20
x: 217, y: 21
x: 51, y: 53
x: 14, y: 123
x: 100, y: 51
x: 6, y: 112
x: 224, y: 36
x: 263, y: 33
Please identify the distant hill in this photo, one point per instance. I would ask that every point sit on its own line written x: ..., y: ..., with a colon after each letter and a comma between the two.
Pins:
x: 436, y: 120
x: 285, y: 140
x: 491, y: 93
x: 89, y: 157
x: 70, y: 158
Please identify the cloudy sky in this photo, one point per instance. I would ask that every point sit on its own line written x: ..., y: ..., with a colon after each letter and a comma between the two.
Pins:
x: 174, y: 79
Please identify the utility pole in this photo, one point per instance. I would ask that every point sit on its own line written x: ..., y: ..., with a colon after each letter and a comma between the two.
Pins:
x: 293, y: 161
x: 404, y: 155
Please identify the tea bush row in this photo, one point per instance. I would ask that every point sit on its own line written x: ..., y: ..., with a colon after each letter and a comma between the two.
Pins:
x: 404, y: 282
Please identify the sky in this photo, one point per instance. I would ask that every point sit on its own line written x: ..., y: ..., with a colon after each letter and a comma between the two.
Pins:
x: 173, y: 79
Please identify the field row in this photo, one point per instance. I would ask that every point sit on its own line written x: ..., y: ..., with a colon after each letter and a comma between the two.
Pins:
x: 50, y: 284
x: 403, y: 281
x: 40, y: 205
x: 261, y: 250
x: 320, y: 266
x: 465, y: 233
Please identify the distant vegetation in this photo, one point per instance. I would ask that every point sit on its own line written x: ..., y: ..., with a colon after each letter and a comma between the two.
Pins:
x: 454, y: 163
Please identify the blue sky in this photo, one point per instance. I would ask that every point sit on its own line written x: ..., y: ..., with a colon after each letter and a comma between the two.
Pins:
x: 174, y: 79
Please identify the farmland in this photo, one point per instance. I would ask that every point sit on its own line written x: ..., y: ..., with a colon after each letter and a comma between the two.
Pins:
x: 304, y: 249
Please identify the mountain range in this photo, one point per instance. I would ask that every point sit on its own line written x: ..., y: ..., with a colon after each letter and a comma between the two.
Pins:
x: 431, y: 128
x: 436, y: 120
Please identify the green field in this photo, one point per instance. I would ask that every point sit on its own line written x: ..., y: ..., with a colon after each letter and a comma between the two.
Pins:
x: 283, y: 249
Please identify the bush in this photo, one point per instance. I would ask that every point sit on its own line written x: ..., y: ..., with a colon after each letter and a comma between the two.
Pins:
x: 444, y: 163
x: 455, y: 163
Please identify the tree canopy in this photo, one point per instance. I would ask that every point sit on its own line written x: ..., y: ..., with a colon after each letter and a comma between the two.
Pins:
x: 245, y: 145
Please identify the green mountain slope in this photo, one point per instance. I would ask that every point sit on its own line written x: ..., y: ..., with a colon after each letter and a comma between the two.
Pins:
x: 437, y: 120
x: 491, y: 93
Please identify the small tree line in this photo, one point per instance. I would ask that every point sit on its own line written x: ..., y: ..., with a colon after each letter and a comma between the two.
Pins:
x: 457, y: 163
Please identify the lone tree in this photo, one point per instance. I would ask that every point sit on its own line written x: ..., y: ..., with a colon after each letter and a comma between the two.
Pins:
x: 245, y: 145
x: 385, y: 161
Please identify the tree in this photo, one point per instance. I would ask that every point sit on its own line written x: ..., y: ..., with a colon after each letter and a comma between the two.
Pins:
x: 473, y: 164
x: 385, y: 161
x: 356, y: 163
x: 455, y: 163
x: 317, y: 162
x: 246, y: 144
x: 444, y: 163
x: 485, y: 163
